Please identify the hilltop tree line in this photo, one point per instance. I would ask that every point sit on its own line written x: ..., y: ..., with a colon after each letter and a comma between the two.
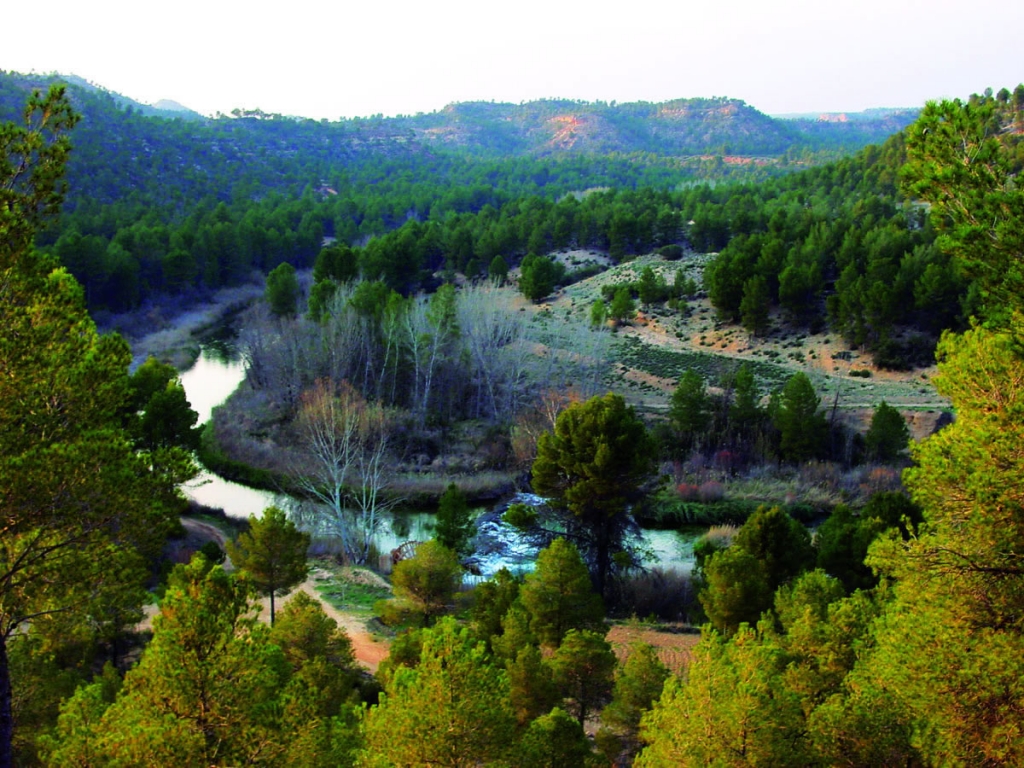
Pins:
x: 738, y: 428
x: 836, y: 245
x: 136, y: 172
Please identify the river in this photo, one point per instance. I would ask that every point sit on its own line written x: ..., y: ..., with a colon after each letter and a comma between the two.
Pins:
x: 217, y: 373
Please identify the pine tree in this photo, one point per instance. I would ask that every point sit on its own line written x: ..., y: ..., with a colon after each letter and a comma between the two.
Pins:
x: 638, y: 684
x: 623, y: 308
x: 455, y: 526
x: 554, y: 740
x: 451, y: 709
x: 272, y: 555
x: 755, y: 305
x: 282, y: 291
x: 426, y: 582
x: 690, y: 409
x: 591, y: 467
x: 949, y: 646
x: 80, y: 510
x: 733, y: 702
x: 559, y: 596
x: 532, y: 688
x: 583, y: 667
x: 888, y: 435
x: 202, y: 693
x: 802, y: 426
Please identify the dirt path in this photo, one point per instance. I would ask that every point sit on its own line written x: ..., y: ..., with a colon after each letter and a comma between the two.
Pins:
x: 368, y: 651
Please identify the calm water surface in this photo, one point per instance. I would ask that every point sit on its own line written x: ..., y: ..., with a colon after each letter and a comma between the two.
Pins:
x: 219, y: 371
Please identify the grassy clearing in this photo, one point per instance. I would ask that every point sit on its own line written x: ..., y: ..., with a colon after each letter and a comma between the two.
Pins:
x: 351, y: 589
x: 665, y: 511
x: 654, y: 350
x: 672, y: 363
x: 701, y: 495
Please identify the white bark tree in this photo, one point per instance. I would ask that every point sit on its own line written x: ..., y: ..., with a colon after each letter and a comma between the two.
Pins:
x: 344, y: 475
x: 494, y: 332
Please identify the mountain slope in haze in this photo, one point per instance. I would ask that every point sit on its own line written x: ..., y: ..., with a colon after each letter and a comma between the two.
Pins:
x: 685, y: 127
x: 682, y: 127
x: 679, y: 127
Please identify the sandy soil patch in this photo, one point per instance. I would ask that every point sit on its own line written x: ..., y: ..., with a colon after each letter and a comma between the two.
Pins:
x: 823, y: 356
x: 368, y: 650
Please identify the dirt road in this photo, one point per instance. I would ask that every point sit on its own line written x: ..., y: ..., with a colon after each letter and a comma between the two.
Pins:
x: 368, y: 651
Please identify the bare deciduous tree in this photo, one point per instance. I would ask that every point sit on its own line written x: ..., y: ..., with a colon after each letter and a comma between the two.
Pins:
x: 494, y: 333
x: 344, y: 478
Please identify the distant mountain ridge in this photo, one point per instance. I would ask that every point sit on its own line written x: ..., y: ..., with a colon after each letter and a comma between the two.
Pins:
x: 127, y: 150
x: 695, y: 126
x: 680, y: 127
x: 162, y: 108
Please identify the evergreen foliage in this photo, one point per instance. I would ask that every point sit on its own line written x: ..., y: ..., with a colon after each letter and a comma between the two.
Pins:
x: 271, y: 555
x: 583, y: 667
x: 638, y: 684
x: 554, y: 740
x: 282, y: 292
x: 211, y: 688
x: 690, y: 409
x: 80, y: 509
x: 455, y: 526
x: 888, y: 436
x: 904, y: 649
x: 425, y: 584
x: 769, y: 550
x: 591, y: 466
x: 801, y: 425
x: 623, y: 308
x: 451, y: 709
x: 559, y: 596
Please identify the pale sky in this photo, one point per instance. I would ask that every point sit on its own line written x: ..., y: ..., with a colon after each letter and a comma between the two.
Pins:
x: 324, y: 59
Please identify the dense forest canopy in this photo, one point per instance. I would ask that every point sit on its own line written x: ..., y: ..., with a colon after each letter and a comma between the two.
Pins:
x: 162, y: 205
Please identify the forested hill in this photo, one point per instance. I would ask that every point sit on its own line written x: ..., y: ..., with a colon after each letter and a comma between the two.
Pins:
x: 163, y: 205
x: 123, y: 148
x: 681, y: 127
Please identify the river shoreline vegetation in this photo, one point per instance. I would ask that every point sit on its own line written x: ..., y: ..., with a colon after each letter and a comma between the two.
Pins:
x: 627, y: 329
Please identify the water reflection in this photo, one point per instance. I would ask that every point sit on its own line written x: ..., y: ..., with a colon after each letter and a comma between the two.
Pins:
x: 215, y: 375
x: 219, y: 371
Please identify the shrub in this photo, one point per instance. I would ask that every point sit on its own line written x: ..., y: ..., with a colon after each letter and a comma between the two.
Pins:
x: 687, y: 491
x: 665, y: 594
x: 711, y: 491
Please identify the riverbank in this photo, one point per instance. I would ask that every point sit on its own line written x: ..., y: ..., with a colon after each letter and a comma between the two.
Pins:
x: 173, y: 336
x: 251, y: 440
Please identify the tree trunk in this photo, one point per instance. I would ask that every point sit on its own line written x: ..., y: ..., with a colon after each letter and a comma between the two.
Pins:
x: 6, y: 714
x: 603, y: 559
